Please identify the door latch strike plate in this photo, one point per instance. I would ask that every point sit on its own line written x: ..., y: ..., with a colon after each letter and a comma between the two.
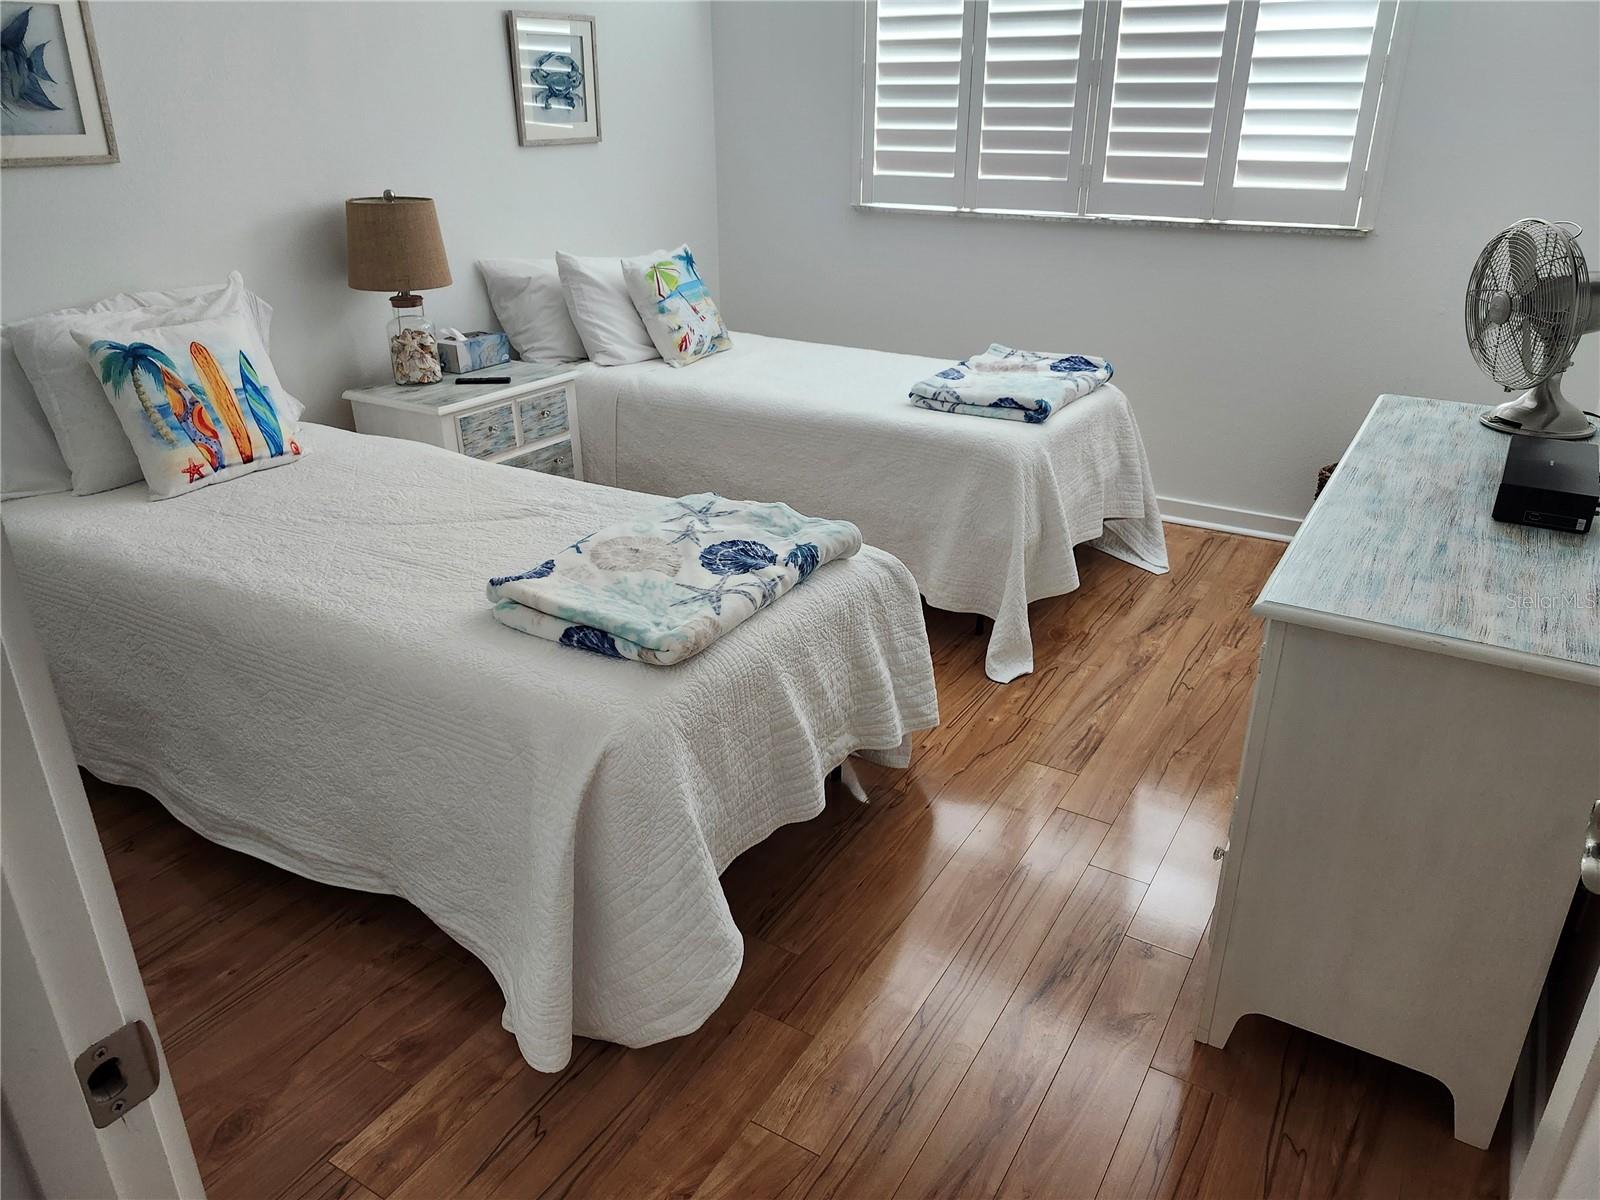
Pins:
x: 118, y: 1073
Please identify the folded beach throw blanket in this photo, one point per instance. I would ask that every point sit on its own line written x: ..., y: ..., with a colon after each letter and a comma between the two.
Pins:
x: 663, y: 586
x: 1019, y: 385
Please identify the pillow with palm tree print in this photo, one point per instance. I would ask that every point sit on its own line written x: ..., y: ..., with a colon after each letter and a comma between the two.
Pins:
x: 86, y: 429
x: 200, y: 402
x: 676, y: 308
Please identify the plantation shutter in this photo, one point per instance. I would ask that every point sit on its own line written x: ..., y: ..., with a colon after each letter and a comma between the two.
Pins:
x: 915, y: 118
x: 1229, y: 110
x: 1163, y: 104
x: 1311, y: 72
x: 1030, y: 104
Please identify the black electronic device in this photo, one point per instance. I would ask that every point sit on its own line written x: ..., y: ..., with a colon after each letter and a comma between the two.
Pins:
x: 1549, y: 484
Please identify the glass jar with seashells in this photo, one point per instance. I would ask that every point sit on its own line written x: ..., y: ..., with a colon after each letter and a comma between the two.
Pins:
x: 413, y: 348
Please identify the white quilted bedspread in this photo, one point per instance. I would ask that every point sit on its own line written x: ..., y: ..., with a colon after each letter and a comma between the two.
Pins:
x: 984, y: 513
x: 301, y: 665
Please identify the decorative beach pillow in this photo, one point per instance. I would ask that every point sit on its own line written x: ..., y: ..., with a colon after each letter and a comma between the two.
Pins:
x: 90, y: 438
x: 199, y: 402
x: 677, y: 311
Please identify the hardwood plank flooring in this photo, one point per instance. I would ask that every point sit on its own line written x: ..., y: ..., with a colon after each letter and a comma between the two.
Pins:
x: 873, y: 1145
x: 853, y: 1038
x: 1075, y: 1132
x: 759, y: 1166
x: 1168, y: 1138
x: 984, y: 982
x: 971, y: 1148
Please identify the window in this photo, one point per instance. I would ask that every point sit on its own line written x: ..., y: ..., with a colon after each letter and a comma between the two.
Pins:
x: 1261, y: 111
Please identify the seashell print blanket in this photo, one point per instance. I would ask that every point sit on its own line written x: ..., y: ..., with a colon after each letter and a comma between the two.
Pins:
x: 1018, y: 385
x: 663, y: 586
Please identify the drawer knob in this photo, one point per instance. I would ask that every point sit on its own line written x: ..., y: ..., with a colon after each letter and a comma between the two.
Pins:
x: 1218, y: 853
x: 544, y: 415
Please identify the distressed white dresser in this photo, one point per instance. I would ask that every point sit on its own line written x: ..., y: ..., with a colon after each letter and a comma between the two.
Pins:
x: 1423, y: 753
x: 529, y: 422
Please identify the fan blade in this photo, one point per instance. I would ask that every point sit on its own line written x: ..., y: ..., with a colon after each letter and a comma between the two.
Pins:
x: 1523, y: 253
x: 1507, y: 357
x: 1526, y: 348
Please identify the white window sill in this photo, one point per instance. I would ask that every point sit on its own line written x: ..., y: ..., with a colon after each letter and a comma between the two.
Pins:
x: 1133, y: 222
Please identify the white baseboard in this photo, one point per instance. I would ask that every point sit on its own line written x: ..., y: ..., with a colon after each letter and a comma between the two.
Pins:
x: 1228, y: 520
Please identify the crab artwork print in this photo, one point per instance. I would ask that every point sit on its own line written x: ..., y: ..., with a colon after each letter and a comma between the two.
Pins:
x: 553, y: 78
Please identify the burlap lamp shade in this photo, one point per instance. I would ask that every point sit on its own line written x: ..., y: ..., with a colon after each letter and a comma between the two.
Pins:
x: 394, y: 244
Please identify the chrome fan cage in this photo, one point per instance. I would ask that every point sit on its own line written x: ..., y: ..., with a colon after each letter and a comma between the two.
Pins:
x: 1529, y: 301
x: 1523, y: 302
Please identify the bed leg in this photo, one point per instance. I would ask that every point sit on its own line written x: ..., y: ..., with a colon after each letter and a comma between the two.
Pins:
x: 977, y: 625
x: 850, y: 782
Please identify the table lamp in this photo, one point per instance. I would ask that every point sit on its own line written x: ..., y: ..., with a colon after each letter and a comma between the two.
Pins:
x: 394, y: 246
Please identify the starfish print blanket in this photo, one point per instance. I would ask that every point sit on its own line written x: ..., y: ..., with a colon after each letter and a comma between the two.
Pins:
x: 663, y: 586
x: 1019, y: 385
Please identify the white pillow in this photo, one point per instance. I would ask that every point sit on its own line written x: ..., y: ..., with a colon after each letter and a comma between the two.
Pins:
x: 198, y: 401
x: 607, y: 322
x: 30, y: 461
x: 532, y: 308
x: 91, y: 440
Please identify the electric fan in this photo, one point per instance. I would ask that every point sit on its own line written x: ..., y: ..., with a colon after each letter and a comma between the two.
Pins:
x: 1529, y: 300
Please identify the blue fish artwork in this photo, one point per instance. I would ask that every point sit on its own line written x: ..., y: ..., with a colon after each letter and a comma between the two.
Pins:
x: 23, y: 69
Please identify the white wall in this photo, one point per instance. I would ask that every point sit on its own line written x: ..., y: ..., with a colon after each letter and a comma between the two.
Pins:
x: 1250, y: 358
x: 243, y: 127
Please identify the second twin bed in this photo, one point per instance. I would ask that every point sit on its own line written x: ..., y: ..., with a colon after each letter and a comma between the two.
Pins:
x: 984, y: 513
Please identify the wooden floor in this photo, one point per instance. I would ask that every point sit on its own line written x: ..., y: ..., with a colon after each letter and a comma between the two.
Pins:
x: 983, y: 983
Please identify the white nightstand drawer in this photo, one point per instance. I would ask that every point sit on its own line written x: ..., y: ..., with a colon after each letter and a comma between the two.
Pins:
x: 486, y: 432
x: 554, y: 459
x: 524, y: 414
x: 543, y: 415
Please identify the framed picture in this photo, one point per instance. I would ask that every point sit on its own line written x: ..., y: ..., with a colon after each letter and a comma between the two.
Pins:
x: 553, y: 80
x: 53, y: 108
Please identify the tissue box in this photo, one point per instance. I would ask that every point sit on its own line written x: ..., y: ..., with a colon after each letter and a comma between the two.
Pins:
x: 483, y: 348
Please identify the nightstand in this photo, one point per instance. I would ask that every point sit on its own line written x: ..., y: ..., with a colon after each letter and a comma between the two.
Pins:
x: 530, y: 422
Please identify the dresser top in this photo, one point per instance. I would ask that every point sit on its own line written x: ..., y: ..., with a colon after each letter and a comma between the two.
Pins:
x: 448, y: 396
x: 1402, y: 540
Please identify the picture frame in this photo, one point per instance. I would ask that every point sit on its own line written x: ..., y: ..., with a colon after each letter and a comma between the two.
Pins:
x: 555, y: 85
x: 56, y: 112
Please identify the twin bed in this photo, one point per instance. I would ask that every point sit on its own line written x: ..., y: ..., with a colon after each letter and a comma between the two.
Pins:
x: 302, y: 664
x: 985, y: 513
